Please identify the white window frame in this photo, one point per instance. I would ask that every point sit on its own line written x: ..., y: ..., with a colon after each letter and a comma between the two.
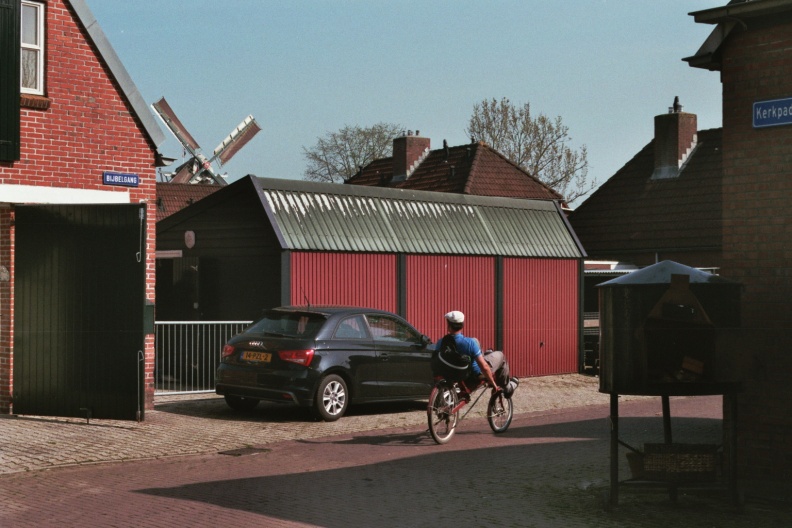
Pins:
x: 37, y: 48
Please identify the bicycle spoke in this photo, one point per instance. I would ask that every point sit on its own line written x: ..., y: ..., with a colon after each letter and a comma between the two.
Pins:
x: 499, y: 413
x: 441, y: 421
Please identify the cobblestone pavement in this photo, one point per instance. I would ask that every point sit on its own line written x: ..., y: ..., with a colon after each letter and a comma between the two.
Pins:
x: 193, y: 462
x: 202, y: 423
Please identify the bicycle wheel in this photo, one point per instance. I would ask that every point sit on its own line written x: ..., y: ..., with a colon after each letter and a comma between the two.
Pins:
x: 499, y: 412
x: 442, y: 422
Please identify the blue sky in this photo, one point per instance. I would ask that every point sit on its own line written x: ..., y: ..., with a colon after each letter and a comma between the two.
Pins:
x: 306, y: 68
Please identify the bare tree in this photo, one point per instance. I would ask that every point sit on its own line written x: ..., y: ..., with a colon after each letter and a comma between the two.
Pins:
x: 539, y: 145
x: 337, y: 156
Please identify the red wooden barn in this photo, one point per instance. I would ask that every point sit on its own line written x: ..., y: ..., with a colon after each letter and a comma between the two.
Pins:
x: 512, y: 265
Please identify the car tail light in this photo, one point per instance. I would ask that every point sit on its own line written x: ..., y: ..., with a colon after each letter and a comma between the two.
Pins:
x: 227, y: 351
x: 301, y: 357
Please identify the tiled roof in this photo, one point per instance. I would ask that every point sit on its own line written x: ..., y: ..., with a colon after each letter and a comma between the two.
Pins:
x: 632, y: 212
x: 173, y: 197
x: 474, y: 169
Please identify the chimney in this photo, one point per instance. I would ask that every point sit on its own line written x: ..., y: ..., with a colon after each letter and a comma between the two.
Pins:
x: 674, y: 141
x: 408, y: 152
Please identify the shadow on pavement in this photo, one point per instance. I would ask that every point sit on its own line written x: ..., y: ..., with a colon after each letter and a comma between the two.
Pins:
x: 216, y: 408
x: 550, y: 475
x: 72, y: 422
x: 634, y: 430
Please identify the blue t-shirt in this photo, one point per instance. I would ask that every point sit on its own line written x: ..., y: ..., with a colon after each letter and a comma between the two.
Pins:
x: 467, y: 346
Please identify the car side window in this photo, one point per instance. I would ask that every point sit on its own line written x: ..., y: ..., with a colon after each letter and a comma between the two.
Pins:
x: 385, y: 328
x: 351, y: 328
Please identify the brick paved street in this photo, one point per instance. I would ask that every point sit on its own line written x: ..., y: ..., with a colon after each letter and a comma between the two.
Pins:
x: 195, y: 463
x: 184, y: 425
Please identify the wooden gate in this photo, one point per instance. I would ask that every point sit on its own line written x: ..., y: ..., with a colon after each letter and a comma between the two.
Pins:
x: 79, y: 295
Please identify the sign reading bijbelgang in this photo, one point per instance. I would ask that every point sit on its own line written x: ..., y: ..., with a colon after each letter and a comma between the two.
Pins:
x: 120, y: 178
x: 772, y: 113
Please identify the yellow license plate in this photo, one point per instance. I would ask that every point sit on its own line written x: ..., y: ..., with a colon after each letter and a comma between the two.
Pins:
x: 258, y: 357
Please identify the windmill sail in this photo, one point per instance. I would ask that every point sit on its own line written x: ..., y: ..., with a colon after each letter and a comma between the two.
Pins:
x: 237, y: 139
x: 199, y: 169
x: 168, y: 116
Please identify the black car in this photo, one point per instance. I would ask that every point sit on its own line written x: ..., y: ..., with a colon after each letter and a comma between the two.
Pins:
x: 326, y: 358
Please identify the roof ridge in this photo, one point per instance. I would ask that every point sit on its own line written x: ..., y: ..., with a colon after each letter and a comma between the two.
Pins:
x: 473, y: 164
x: 522, y: 170
x: 117, y: 71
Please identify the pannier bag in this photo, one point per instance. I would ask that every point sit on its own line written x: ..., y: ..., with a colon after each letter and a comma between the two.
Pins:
x: 449, y: 363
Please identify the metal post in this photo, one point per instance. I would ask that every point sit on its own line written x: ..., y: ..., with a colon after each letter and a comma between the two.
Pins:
x: 614, y: 450
x: 731, y: 402
x: 666, y: 419
x: 672, y: 488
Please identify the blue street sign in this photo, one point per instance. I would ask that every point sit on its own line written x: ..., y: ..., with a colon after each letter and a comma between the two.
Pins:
x: 120, y: 178
x: 772, y: 113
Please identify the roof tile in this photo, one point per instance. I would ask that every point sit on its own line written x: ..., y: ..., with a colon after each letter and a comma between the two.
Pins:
x: 474, y: 169
x: 173, y: 197
x: 630, y: 211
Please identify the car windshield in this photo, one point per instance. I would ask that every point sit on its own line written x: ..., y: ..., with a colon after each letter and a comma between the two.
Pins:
x: 288, y: 324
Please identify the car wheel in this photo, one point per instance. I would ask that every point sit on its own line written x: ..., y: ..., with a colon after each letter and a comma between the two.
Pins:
x: 332, y: 398
x: 240, y: 403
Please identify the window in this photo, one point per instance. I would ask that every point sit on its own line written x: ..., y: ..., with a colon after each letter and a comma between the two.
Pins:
x: 32, y: 54
x: 351, y: 328
x: 387, y: 329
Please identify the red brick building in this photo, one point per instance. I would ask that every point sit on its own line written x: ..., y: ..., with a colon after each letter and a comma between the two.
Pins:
x: 751, y: 48
x: 75, y: 132
x: 721, y: 199
x: 663, y: 204
x: 474, y: 169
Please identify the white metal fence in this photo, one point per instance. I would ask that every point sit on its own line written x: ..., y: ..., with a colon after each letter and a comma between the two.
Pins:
x: 188, y: 352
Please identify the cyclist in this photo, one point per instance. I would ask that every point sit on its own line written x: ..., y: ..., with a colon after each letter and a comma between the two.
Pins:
x: 455, y: 321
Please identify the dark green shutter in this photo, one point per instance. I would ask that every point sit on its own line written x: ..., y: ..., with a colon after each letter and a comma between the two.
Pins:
x: 9, y: 79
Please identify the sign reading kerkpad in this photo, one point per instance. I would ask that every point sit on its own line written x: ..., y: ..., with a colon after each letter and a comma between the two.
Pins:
x: 120, y: 178
x: 772, y: 113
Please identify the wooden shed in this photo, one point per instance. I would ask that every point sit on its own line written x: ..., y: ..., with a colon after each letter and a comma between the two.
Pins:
x: 513, y: 266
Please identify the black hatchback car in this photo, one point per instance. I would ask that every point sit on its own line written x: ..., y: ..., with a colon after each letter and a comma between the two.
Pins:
x: 325, y: 358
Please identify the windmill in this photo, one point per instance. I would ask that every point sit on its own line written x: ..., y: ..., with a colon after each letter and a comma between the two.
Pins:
x: 198, y: 169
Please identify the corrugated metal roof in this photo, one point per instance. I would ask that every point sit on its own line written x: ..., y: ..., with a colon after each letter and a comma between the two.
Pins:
x: 332, y: 217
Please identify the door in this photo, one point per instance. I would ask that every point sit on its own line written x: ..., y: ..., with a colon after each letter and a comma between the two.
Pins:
x: 402, y: 357
x: 353, y: 347
x: 79, y: 296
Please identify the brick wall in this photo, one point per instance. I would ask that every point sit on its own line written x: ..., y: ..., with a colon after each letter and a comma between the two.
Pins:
x: 86, y: 128
x: 757, y: 242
